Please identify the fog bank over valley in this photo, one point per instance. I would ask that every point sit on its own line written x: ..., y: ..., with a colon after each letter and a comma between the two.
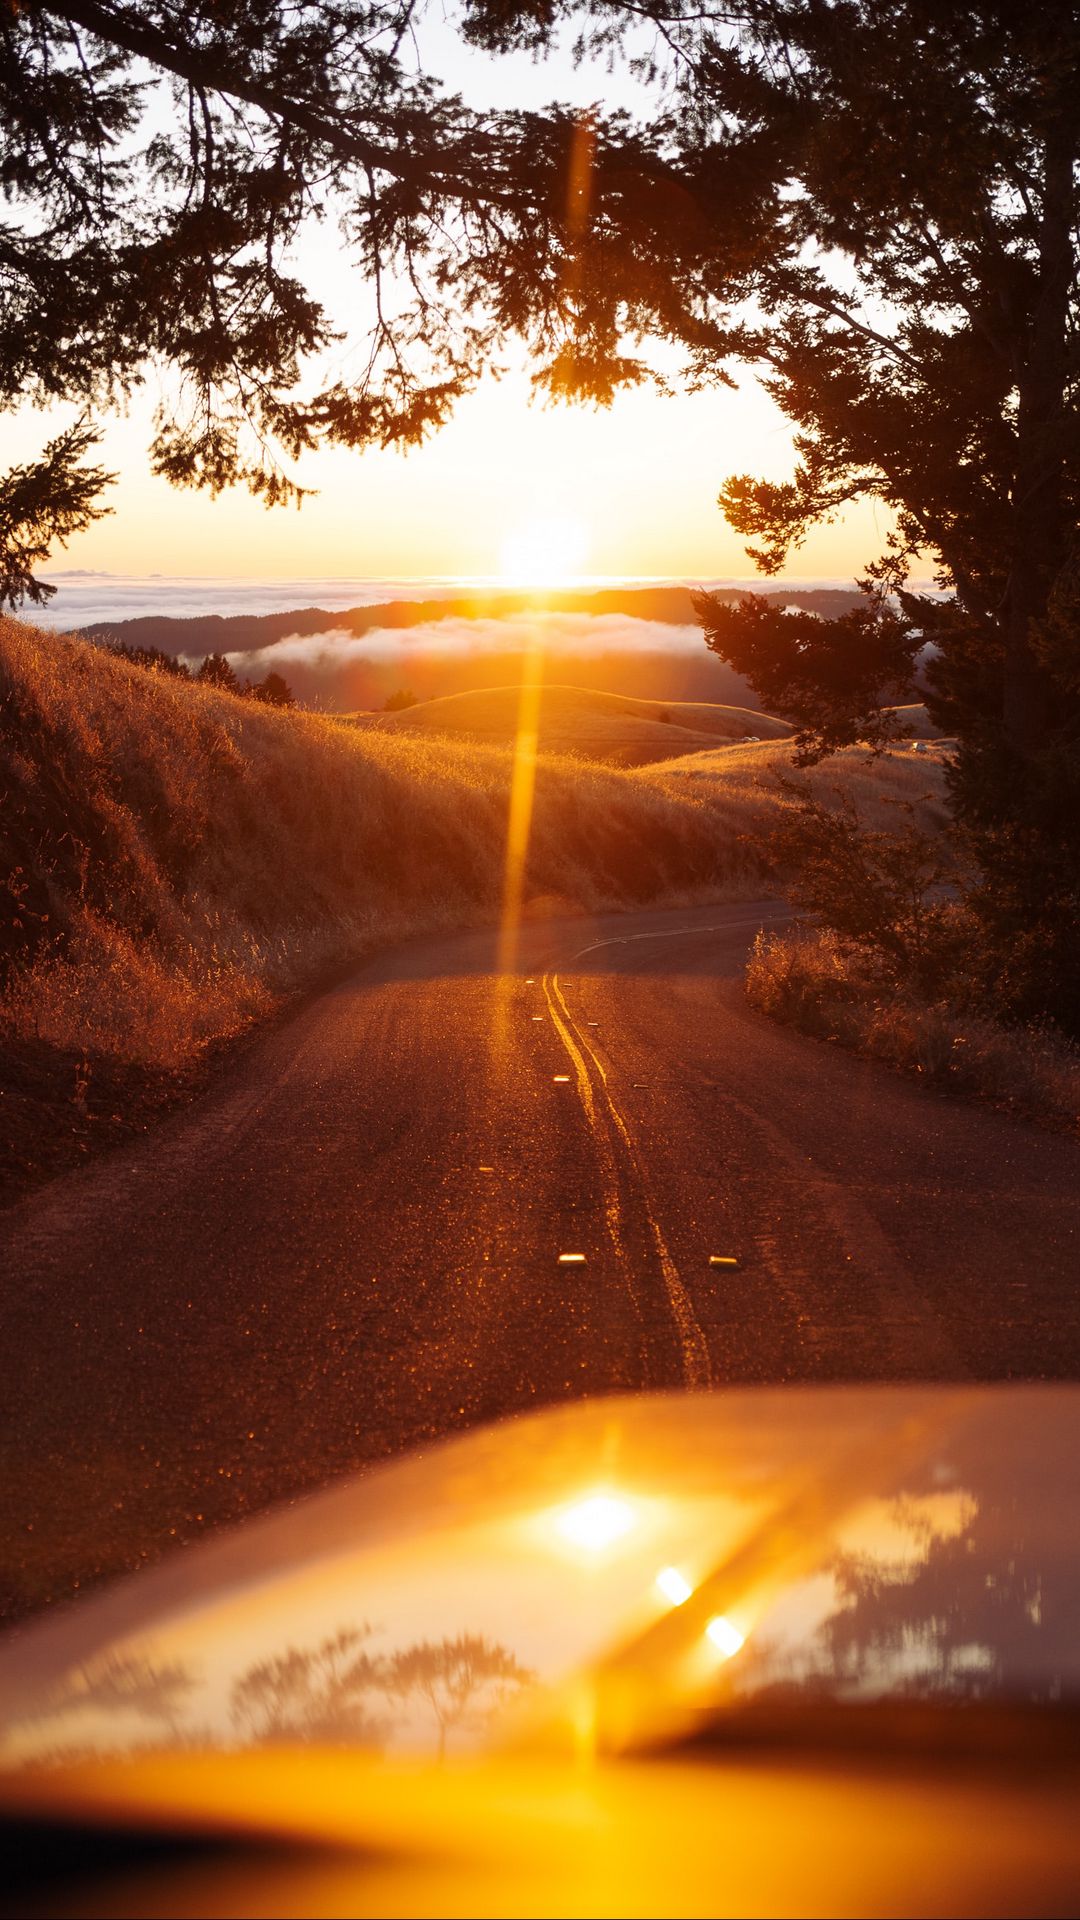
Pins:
x: 354, y: 643
x: 342, y: 672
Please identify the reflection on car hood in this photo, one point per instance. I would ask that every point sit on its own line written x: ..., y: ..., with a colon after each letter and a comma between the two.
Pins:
x: 599, y: 1576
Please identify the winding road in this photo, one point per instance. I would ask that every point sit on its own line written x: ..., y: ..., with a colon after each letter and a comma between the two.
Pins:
x: 441, y: 1194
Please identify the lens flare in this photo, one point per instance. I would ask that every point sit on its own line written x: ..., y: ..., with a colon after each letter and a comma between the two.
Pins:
x: 674, y: 1586
x: 522, y: 783
x: 596, y: 1522
x: 724, y: 1637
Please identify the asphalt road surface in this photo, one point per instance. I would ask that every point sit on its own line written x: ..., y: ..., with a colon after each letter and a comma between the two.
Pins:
x: 355, y: 1242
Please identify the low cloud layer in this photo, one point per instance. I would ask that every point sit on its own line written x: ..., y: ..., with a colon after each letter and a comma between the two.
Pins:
x: 342, y: 672
x: 559, y: 633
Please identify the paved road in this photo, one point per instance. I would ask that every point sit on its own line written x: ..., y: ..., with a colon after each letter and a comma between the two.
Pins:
x: 353, y: 1243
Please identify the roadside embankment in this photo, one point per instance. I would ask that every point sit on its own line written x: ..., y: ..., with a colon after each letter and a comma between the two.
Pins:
x: 175, y: 862
x: 808, y: 979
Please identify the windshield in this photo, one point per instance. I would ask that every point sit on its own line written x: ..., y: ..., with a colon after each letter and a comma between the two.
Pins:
x: 602, y: 1579
x: 539, y: 892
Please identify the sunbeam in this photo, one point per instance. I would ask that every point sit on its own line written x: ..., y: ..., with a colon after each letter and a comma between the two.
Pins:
x: 522, y: 787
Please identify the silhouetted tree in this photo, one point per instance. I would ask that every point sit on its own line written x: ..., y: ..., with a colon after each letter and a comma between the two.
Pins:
x: 162, y: 160
x: 319, y: 1694
x: 45, y: 501
x: 153, y: 658
x: 274, y: 691
x: 988, y: 1609
x: 124, y: 1683
x: 890, y: 894
x: 912, y: 176
x: 454, y: 1676
x: 399, y: 700
x: 121, y: 1684
x: 872, y: 201
x: 216, y: 672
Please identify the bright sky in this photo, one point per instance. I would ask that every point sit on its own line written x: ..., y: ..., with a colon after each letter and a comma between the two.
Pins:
x: 632, y: 489
x: 637, y: 485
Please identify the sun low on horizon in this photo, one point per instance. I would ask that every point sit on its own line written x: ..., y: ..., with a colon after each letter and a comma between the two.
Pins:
x: 533, y: 496
x: 545, y: 552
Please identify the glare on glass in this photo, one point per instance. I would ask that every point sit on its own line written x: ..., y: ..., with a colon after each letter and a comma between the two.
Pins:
x: 596, y: 1522
x: 725, y: 1638
x: 674, y: 1586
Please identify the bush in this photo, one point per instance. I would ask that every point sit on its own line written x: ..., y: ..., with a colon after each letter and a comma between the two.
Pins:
x: 812, y: 981
x: 217, y: 672
x: 890, y: 894
x: 803, y: 979
x: 274, y: 691
x: 152, y: 658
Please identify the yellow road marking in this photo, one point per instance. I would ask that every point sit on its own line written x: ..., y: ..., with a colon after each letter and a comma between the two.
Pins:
x: 697, y: 1368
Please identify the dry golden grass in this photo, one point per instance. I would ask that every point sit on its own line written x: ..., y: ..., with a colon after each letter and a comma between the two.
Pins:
x: 809, y: 980
x: 182, y: 858
x: 917, y: 723
x: 587, y: 724
x: 748, y: 778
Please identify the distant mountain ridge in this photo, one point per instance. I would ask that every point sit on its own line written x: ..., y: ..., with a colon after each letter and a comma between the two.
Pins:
x: 247, y: 632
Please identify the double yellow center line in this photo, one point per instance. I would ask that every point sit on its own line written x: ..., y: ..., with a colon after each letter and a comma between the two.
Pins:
x: 606, y: 1123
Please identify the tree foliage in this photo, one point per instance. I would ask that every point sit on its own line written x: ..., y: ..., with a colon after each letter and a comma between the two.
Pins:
x: 274, y: 691
x: 832, y: 677
x: 889, y: 894
x: 324, y: 1693
x: 873, y: 203
x: 151, y: 659
x: 161, y: 163
x: 214, y: 670
x: 320, y: 1694
x: 217, y: 671
x: 126, y: 1685
x: 454, y: 1676
x: 42, y: 503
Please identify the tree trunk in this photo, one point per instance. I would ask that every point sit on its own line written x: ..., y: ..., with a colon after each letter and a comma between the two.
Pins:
x: 1040, y: 535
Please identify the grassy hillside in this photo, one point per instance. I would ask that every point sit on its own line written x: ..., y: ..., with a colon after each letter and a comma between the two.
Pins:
x: 917, y: 723
x: 587, y: 724
x: 744, y: 778
x: 179, y: 856
x: 174, y: 861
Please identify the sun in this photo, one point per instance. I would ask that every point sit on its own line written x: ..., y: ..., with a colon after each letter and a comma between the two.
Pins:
x: 544, y: 552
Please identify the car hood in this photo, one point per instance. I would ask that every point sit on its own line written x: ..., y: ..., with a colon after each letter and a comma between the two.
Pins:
x: 606, y: 1575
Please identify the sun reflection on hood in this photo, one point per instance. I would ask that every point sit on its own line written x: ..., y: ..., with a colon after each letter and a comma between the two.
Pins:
x: 604, y: 1573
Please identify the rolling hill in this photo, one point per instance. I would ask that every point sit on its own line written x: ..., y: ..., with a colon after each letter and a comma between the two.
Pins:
x: 584, y: 723
x: 180, y: 860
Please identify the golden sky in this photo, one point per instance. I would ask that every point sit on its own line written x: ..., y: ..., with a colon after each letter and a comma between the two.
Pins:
x: 633, y: 488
